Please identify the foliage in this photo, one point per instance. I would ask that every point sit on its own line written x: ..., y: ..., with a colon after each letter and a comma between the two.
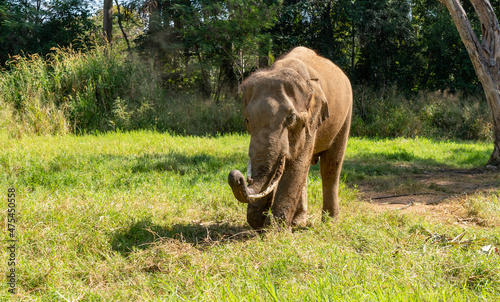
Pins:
x: 207, y: 40
x: 35, y: 27
x: 149, y: 216
x: 198, y: 47
x: 211, y: 46
x: 447, y: 63
x: 379, y: 43
x: 409, y: 44
x: 107, y: 90
x: 131, y: 22
x: 86, y: 87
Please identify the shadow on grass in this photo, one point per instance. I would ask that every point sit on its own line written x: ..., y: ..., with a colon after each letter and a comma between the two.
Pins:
x: 143, y: 234
x: 70, y: 170
x: 181, y: 163
x: 395, y: 163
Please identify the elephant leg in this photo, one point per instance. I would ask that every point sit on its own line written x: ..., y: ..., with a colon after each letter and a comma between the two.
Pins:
x: 257, y: 211
x: 290, y: 191
x: 300, y: 217
x: 330, y: 166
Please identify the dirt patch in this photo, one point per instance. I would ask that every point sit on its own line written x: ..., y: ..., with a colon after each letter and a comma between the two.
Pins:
x: 436, y: 194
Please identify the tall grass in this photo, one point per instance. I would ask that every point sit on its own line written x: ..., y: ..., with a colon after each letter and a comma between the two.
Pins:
x: 82, y: 89
x: 102, y: 89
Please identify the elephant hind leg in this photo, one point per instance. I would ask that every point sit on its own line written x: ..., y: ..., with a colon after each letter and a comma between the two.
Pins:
x: 330, y: 167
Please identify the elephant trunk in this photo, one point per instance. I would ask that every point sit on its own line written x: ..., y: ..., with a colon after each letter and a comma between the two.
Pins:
x: 246, y: 194
x: 237, y: 183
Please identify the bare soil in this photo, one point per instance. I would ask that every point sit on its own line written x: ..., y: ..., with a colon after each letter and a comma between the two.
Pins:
x: 436, y: 194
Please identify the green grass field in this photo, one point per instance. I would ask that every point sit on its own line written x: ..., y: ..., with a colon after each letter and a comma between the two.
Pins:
x: 145, y: 216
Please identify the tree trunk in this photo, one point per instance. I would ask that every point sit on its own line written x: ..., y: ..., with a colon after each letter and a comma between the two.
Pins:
x: 229, y: 77
x: 485, y: 57
x: 107, y: 20
x: 205, y: 88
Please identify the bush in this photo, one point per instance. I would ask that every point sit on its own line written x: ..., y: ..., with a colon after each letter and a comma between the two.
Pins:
x: 387, y: 113
x: 83, y: 89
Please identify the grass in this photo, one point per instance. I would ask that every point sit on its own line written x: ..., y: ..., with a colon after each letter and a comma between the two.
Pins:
x: 144, y: 216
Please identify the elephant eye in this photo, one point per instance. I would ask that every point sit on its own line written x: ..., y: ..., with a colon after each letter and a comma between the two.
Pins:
x: 290, y: 120
x: 247, y: 123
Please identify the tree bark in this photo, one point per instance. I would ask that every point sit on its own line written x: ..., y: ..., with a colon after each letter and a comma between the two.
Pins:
x: 107, y: 20
x: 485, y: 57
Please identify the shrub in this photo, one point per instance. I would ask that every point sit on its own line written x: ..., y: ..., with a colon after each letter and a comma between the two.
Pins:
x: 387, y: 113
x: 85, y: 89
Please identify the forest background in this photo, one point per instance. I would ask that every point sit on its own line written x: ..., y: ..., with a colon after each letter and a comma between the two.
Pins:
x: 175, y: 65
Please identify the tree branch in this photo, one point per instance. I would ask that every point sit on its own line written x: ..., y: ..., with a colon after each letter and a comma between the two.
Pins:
x: 120, y: 24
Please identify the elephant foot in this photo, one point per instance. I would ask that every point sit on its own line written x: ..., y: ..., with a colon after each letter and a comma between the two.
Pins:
x: 300, y: 220
x: 327, y: 216
x: 256, y: 224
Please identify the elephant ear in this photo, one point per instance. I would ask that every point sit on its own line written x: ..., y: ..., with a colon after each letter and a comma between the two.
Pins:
x: 318, y: 105
x: 247, y: 89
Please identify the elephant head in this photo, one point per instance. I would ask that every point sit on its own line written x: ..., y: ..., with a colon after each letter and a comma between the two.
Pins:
x: 283, y: 108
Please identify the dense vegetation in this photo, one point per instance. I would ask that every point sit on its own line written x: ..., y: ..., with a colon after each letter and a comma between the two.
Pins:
x: 411, y: 73
x: 209, y: 44
x: 103, y: 90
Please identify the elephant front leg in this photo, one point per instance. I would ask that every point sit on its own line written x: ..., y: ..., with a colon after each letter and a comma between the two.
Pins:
x: 257, y: 211
x: 291, y: 195
x: 300, y: 218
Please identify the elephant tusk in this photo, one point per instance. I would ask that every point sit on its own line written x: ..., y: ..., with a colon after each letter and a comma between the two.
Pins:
x: 274, y: 183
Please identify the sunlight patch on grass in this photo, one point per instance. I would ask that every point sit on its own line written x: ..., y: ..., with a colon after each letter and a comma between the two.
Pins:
x: 149, y: 216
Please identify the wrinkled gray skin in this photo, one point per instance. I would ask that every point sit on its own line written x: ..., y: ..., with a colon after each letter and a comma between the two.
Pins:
x: 297, y: 112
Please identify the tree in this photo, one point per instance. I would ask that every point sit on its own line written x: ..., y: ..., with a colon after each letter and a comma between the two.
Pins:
x: 387, y: 43
x: 209, y: 41
x: 439, y: 45
x: 120, y: 24
x: 36, y: 26
x: 107, y: 20
x: 485, y: 56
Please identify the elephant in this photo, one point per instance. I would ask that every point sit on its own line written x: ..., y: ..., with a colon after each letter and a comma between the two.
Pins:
x: 298, y: 112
